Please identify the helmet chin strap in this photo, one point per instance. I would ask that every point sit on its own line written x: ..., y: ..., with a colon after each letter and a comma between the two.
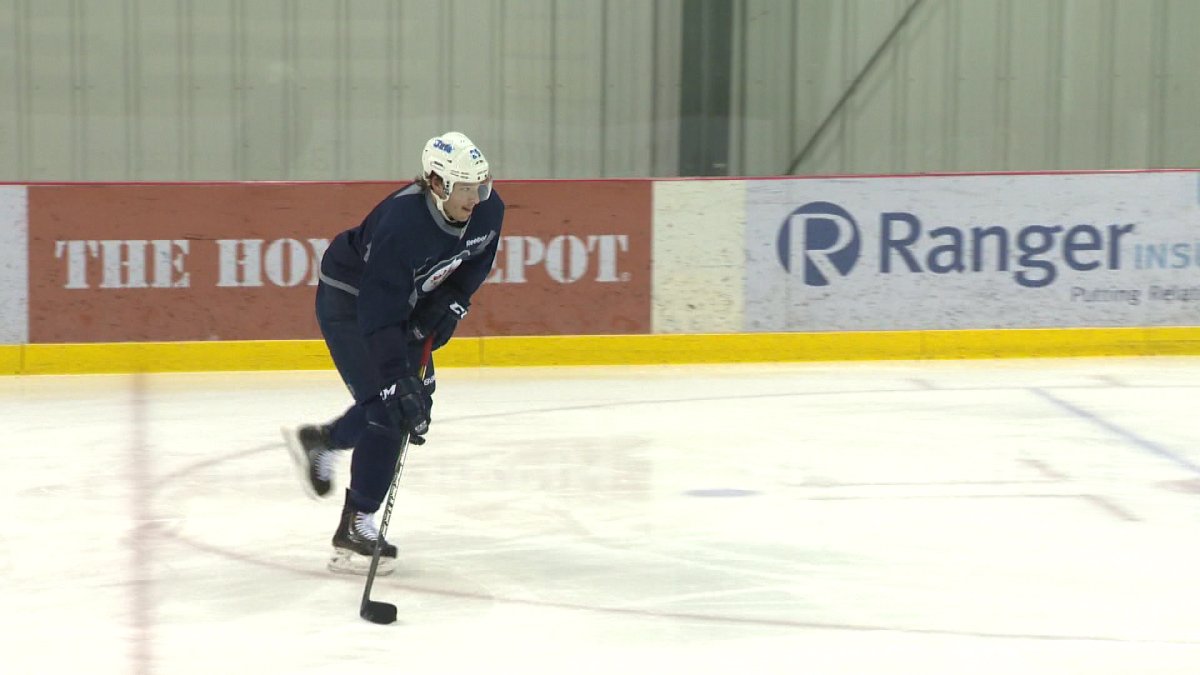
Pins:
x: 440, y: 201
x: 441, y: 204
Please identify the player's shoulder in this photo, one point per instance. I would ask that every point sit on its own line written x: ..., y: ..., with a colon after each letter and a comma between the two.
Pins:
x: 411, y: 194
x: 405, y: 205
x: 494, y: 206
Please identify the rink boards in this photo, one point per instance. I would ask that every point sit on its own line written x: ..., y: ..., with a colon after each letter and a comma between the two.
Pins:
x: 614, y: 350
x: 220, y: 276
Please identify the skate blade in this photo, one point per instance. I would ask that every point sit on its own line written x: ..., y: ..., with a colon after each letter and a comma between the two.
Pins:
x: 344, y: 561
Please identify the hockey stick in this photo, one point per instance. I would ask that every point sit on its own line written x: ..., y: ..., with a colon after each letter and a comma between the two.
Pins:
x: 374, y: 610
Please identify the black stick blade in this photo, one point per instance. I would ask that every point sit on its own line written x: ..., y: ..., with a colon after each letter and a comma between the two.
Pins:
x: 378, y: 612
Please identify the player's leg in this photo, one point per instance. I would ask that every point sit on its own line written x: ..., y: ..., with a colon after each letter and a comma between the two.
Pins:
x: 314, y: 446
x: 337, y: 315
x: 372, y: 465
x: 372, y: 468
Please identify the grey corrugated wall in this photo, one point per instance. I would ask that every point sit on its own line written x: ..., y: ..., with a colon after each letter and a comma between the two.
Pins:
x: 966, y: 85
x: 333, y: 89
x: 349, y: 89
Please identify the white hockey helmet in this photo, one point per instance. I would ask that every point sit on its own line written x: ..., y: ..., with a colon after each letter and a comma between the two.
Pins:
x: 459, y: 163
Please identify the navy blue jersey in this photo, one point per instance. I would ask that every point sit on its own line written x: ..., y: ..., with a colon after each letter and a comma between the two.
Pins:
x: 402, y: 251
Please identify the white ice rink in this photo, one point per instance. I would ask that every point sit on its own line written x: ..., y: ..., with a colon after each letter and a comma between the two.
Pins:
x: 1022, y: 517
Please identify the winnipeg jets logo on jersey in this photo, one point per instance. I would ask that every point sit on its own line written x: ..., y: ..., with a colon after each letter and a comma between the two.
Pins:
x: 438, y: 273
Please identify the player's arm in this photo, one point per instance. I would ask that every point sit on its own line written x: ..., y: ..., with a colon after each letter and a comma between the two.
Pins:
x: 385, y: 304
x: 471, y: 274
x: 440, y: 312
x: 384, y: 307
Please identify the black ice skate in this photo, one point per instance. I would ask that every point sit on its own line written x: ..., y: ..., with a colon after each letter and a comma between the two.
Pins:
x: 309, y: 447
x: 354, y: 544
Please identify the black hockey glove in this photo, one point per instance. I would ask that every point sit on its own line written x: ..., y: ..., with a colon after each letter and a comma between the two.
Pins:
x: 405, y: 403
x: 438, y: 314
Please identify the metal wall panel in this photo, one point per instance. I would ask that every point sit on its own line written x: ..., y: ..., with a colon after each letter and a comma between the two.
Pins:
x: 214, y: 86
x: 53, y: 86
x: 318, y: 76
x: 528, y: 101
x: 260, y: 103
x: 102, y: 64
x: 425, y: 60
x: 1181, y: 113
x: 155, y: 90
x: 628, y: 95
x: 1132, y: 84
x: 972, y: 57
x: 968, y: 85
x: 349, y: 89
x: 333, y: 89
x: 665, y: 81
x: 1034, y: 71
x: 578, y: 89
x: 1084, y: 65
x: 14, y: 132
x: 466, y: 61
x: 768, y: 59
x: 870, y: 22
x: 928, y: 105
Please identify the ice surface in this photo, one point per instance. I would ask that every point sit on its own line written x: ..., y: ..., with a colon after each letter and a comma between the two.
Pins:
x: 1034, y: 516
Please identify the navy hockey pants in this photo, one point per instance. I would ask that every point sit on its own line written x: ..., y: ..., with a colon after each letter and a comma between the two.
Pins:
x: 375, y: 448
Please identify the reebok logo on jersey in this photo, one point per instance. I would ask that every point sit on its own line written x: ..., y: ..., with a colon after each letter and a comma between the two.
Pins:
x: 477, y: 240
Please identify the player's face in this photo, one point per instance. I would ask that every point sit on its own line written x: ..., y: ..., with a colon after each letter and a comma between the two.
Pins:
x: 464, y: 198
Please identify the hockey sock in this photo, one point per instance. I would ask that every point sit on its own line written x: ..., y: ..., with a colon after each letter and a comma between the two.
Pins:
x: 371, y: 468
x: 345, y: 431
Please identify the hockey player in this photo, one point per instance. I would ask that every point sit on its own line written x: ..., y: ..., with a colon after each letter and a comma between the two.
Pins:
x: 406, y: 273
